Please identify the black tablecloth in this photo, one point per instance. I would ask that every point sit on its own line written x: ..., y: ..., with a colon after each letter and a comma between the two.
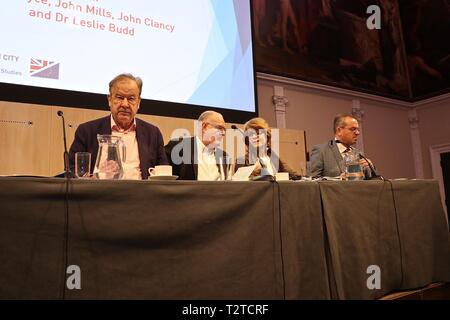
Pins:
x: 219, y: 240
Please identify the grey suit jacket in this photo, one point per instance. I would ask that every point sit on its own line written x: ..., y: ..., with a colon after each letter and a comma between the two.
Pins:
x: 326, y: 161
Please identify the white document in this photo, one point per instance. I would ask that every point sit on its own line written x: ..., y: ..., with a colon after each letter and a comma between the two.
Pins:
x: 243, y: 173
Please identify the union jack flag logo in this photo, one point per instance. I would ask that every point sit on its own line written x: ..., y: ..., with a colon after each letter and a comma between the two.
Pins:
x: 44, y: 69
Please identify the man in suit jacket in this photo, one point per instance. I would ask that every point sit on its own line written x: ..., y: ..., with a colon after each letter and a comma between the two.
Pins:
x: 143, y: 141
x: 199, y: 157
x: 327, y: 160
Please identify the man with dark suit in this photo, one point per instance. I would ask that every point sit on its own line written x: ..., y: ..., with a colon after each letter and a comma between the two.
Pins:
x: 199, y: 157
x: 143, y: 141
x: 327, y: 160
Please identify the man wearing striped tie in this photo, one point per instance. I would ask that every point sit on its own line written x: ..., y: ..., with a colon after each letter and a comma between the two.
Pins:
x: 327, y: 160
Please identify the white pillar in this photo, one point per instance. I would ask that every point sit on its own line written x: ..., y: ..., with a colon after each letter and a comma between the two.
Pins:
x: 416, y: 143
x: 358, y: 113
x: 280, y: 103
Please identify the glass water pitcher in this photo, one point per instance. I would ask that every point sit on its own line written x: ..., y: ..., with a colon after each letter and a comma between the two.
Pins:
x: 110, y: 157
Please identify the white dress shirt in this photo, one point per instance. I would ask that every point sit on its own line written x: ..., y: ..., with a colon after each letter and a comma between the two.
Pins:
x: 207, y: 165
x: 131, y: 167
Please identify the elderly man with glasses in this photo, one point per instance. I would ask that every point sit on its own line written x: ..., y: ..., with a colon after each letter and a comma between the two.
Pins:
x: 327, y: 160
x: 200, y: 157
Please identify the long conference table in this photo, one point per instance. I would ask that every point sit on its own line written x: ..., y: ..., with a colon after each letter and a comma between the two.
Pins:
x: 220, y: 240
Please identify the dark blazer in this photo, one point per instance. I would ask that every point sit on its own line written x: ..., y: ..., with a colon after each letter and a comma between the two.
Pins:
x: 187, y: 168
x: 326, y: 161
x: 149, y: 139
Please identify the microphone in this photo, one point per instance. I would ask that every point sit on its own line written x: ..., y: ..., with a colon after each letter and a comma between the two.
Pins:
x: 66, y: 154
x: 236, y: 128
x: 244, y: 135
x: 233, y: 166
x: 372, y: 169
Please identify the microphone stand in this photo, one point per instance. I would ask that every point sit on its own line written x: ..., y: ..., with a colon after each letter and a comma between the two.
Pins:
x: 66, y: 154
x: 233, y: 165
x: 66, y: 209
x: 264, y: 175
x: 372, y: 169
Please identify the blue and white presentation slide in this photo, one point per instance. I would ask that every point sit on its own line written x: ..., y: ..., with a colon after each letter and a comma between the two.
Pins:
x: 186, y: 51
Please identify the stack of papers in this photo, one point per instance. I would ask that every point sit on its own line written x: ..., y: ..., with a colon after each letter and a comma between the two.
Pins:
x: 243, y: 173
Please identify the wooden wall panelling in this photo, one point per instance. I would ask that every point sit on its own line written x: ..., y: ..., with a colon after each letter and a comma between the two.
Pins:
x: 32, y: 138
x: 24, y: 139
x: 293, y: 149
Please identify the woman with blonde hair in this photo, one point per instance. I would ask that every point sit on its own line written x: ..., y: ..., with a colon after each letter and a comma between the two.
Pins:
x: 258, y: 143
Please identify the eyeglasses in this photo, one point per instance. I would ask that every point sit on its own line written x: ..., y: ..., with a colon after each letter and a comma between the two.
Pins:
x: 217, y: 126
x: 352, y: 129
x: 254, y: 134
x: 132, y: 100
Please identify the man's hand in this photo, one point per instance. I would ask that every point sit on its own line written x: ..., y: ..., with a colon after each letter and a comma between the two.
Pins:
x: 109, y: 166
x: 364, y: 164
